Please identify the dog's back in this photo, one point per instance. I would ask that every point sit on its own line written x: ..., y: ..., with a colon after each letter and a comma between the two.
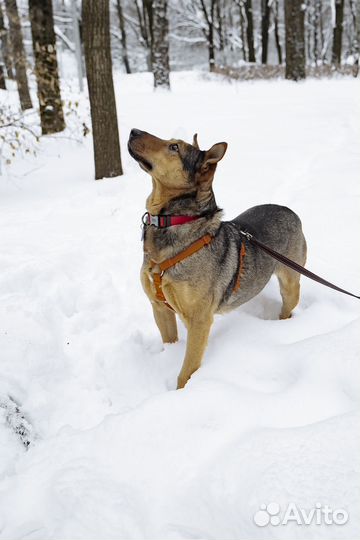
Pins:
x: 279, y: 228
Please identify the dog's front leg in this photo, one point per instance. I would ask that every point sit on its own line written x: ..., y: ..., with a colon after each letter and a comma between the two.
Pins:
x: 166, y: 322
x: 164, y: 316
x: 198, y: 332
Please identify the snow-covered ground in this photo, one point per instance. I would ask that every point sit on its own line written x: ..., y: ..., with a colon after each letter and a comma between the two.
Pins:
x: 272, y: 416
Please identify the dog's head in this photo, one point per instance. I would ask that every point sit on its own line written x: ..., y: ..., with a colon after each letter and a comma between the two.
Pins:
x: 175, y: 164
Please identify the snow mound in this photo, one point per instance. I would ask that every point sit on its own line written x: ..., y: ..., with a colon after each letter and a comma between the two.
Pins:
x: 273, y: 413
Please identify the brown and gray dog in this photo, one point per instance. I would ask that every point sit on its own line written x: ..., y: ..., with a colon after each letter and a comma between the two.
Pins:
x: 223, y: 271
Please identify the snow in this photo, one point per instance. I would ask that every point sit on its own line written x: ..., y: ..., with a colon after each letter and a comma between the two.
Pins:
x: 273, y: 413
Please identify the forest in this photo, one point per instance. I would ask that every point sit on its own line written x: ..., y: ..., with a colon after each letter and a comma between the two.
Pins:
x: 240, y: 39
x: 100, y: 437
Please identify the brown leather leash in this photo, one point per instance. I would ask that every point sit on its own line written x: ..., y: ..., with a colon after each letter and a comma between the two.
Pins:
x: 295, y: 266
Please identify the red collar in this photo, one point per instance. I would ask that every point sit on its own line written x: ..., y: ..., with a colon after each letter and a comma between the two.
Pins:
x: 163, y: 221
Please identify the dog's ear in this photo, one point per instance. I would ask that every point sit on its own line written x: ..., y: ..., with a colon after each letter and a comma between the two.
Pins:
x: 216, y: 152
x: 195, y: 141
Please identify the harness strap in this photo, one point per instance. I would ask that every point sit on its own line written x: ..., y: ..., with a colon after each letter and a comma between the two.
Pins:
x: 168, y: 263
x: 241, y: 266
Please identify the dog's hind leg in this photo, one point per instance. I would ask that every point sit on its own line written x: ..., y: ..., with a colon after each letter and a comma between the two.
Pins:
x: 289, y: 282
x: 166, y: 321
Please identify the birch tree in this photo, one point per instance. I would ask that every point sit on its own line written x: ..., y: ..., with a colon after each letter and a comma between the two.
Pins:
x: 46, y: 67
x: 160, y: 45
x: 18, y: 54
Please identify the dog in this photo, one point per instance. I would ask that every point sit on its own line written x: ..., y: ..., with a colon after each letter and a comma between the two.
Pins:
x: 196, y: 265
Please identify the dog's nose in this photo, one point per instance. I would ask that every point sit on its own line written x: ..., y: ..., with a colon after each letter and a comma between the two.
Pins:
x: 135, y: 133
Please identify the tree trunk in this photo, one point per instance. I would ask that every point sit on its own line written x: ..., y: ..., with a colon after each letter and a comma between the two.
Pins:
x: 337, y: 36
x: 250, y: 30
x: 220, y: 29
x: 308, y: 29
x: 123, y: 37
x: 242, y: 32
x: 295, y: 40
x: 144, y: 16
x: 5, y: 46
x: 355, y: 11
x: 160, y: 45
x: 317, y: 29
x: 19, y: 57
x: 96, y: 34
x: 2, y: 78
x: 209, y: 18
x: 211, y: 48
x: 148, y: 19
x: 322, y: 36
x: 265, y: 21
x: 275, y: 7
x: 46, y: 67
x: 77, y: 43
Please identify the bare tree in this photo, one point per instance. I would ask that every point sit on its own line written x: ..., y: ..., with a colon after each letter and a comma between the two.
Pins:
x: 338, y: 29
x: 160, y: 45
x: 123, y: 37
x: 220, y: 20
x: 265, y: 22
x: 96, y: 35
x: 242, y: 29
x: 19, y: 57
x: 295, y: 40
x: 144, y: 12
x: 355, y: 14
x: 46, y: 67
x: 2, y: 78
x: 5, y: 46
x: 317, y: 31
x: 250, y: 29
x: 275, y: 10
x: 209, y: 12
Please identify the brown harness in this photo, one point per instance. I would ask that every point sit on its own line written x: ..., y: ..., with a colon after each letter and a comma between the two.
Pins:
x: 207, y: 239
x: 190, y: 250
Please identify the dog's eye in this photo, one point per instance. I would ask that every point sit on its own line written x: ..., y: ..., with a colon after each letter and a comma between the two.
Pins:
x: 174, y: 147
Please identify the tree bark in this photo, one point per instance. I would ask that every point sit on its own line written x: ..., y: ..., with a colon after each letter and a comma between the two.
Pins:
x: 294, y: 40
x: 242, y: 31
x: 5, y: 46
x: 46, y: 67
x: 275, y: 7
x: 19, y: 57
x: 144, y: 16
x: 96, y: 34
x: 317, y: 28
x: 125, y: 56
x: 219, y: 26
x: 209, y: 19
x: 160, y: 45
x: 355, y: 10
x: 2, y: 78
x: 337, y: 36
x: 77, y: 43
x: 265, y: 21
x: 250, y: 30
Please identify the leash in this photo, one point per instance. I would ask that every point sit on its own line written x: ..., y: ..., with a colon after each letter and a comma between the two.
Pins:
x: 295, y: 266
